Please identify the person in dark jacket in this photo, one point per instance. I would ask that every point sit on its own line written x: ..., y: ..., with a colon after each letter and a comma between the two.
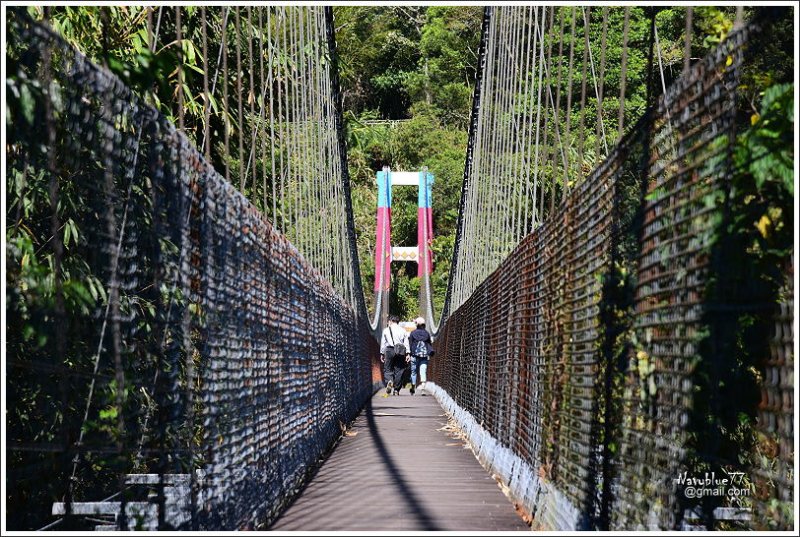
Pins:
x: 421, y: 349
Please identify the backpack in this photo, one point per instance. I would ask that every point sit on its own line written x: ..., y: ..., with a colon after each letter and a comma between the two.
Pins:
x: 396, y: 350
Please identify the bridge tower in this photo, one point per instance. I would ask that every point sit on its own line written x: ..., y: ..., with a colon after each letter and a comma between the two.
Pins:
x: 385, y: 253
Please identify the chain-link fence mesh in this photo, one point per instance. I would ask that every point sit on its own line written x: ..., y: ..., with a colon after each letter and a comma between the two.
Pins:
x: 774, y: 471
x: 173, y: 360
x: 689, y: 158
x: 613, y: 350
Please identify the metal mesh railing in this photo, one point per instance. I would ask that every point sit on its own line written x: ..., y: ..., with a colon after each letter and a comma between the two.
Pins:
x: 689, y: 158
x: 596, y: 352
x: 522, y: 354
x: 775, y: 462
x: 180, y: 364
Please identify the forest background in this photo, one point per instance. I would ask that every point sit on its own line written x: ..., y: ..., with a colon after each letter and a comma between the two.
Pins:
x: 407, y: 76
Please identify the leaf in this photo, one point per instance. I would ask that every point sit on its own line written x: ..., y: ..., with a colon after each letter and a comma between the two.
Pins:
x: 195, y: 68
x: 189, y: 52
x: 109, y: 413
x: 28, y: 332
x: 656, y: 194
x: 96, y: 288
x: 27, y: 102
x: 763, y: 226
x: 78, y: 292
x: 651, y: 386
x: 213, y: 102
x: 70, y: 232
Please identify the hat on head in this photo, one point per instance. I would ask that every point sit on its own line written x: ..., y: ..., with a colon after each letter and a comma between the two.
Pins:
x: 419, y: 320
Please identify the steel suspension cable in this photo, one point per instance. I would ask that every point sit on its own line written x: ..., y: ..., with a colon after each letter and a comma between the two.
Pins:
x: 519, y: 176
x: 239, y: 108
x: 257, y: 130
x: 225, y: 113
x: 301, y: 184
x: 294, y: 129
x: 530, y: 90
x: 623, y: 73
x: 490, y: 206
x: 158, y: 27
x: 205, y: 145
x: 548, y: 73
x: 512, y: 142
x: 271, y: 86
x: 481, y: 189
x: 262, y: 119
x: 499, y: 93
x: 660, y: 61
x: 536, y: 218
x: 567, y: 129
x: 600, y: 110
x: 251, y: 97
x: 467, y: 243
x: 284, y: 115
x: 332, y: 266
x: 687, y: 46
x: 454, y: 281
x: 295, y: 162
x: 501, y: 195
x: 582, y: 127
x: 558, y: 145
x: 179, y: 43
x: 205, y: 142
x: 557, y: 111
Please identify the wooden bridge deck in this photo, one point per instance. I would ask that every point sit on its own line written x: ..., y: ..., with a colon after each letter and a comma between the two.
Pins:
x: 398, y: 469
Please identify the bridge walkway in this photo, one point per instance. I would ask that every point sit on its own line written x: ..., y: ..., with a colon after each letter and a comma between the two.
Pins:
x: 401, y: 467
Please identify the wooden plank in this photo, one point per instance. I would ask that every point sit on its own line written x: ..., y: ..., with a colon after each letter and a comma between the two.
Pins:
x: 397, y: 470
x: 140, y: 515
x: 102, y: 508
x: 155, y: 479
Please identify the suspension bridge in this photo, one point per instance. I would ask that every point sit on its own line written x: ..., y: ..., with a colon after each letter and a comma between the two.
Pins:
x: 217, y: 365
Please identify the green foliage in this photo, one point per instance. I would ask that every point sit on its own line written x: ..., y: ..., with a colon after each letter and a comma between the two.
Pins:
x: 417, y: 66
x: 394, y: 57
x: 713, y: 23
x: 766, y: 151
x: 763, y: 188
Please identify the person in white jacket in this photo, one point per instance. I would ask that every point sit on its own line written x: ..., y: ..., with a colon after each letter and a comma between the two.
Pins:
x: 394, y: 350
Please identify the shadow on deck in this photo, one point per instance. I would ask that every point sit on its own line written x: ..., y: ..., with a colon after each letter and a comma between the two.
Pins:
x: 399, y: 469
